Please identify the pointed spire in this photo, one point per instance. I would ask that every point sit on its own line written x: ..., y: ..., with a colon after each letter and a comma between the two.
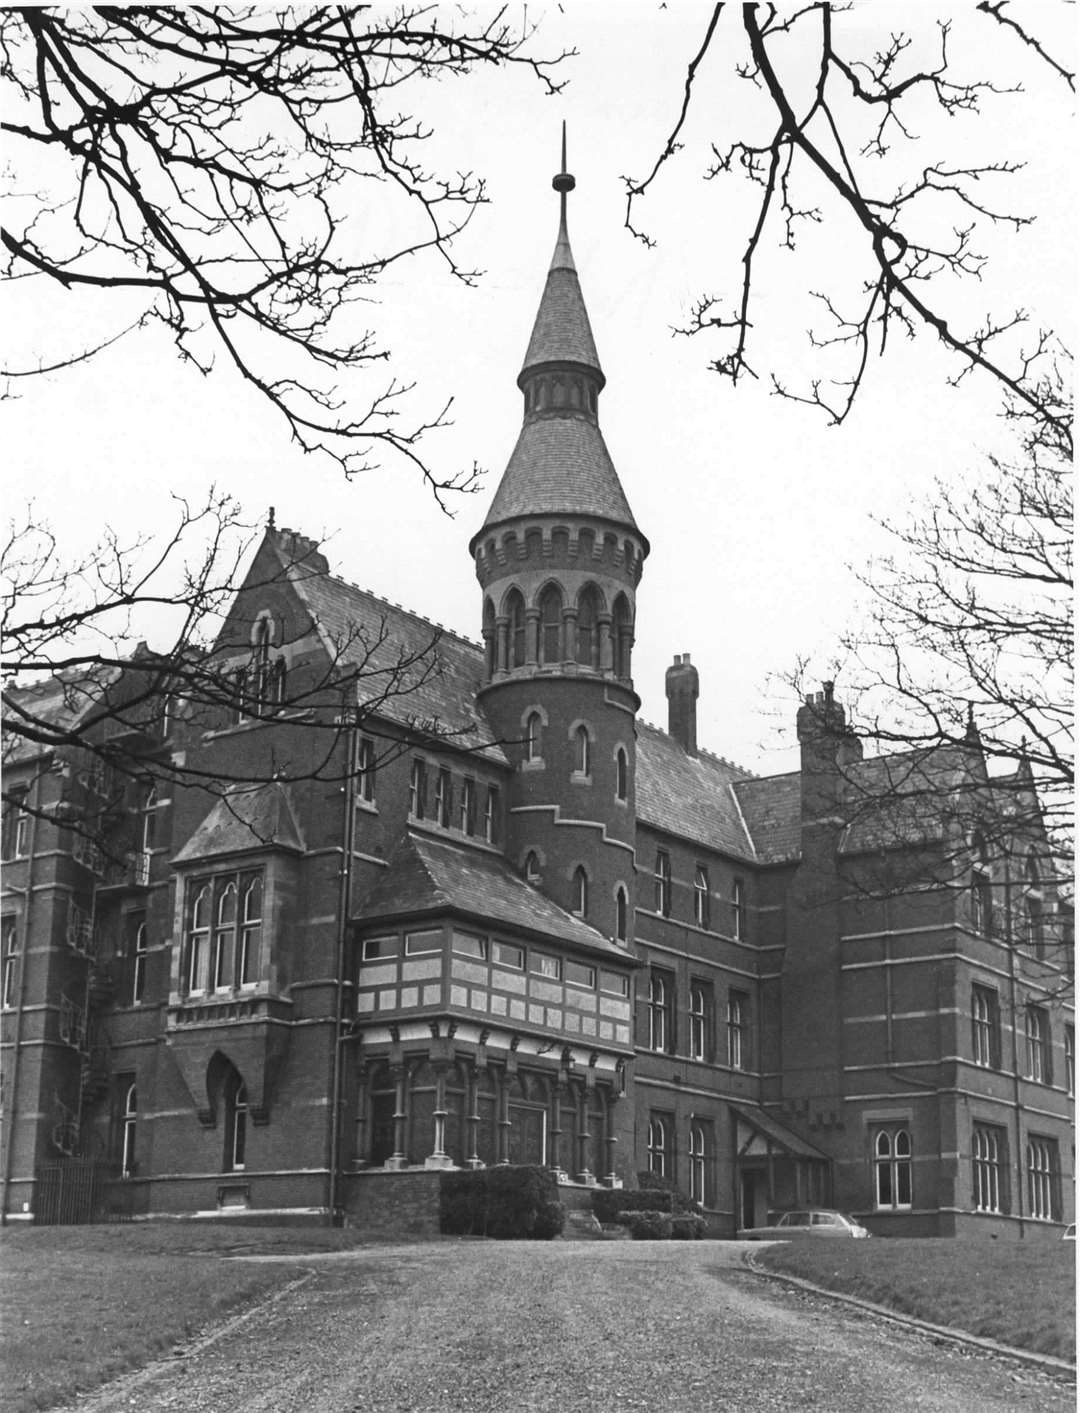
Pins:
x: 971, y: 735
x: 563, y: 182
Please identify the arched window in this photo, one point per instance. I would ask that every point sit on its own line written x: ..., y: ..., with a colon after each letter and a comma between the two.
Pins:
x: 622, y: 636
x: 621, y: 914
x: 138, y: 964
x: 247, y: 969
x: 662, y: 883
x: 1033, y: 906
x: 260, y: 662
x: 236, y: 1114
x: 582, y: 750
x: 588, y: 612
x: 738, y: 910
x: 551, y: 617
x: 622, y: 774
x: 532, y: 868
x: 490, y: 637
x: 698, y: 1163
x: 701, y: 896
x: 128, y: 1120
x: 199, y: 940
x: 515, y: 613
x: 534, y: 726
x: 581, y: 892
x: 148, y: 820
x: 659, y: 1005
x: 892, y: 1168
x: 223, y: 936
x: 980, y: 892
x: 658, y: 1146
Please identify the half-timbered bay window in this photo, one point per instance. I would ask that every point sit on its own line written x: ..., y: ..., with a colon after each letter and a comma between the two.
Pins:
x: 224, y: 939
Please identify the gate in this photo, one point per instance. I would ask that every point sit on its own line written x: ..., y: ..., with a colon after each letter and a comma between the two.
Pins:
x: 75, y: 1192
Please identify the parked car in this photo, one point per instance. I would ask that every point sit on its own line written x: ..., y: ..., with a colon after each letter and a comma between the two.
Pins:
x: 807, y: 1222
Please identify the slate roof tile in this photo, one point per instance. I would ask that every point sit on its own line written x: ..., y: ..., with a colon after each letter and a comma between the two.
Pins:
x: 771, y: 808
x: 426, y: 874
x: 244, y: 819
x: 691, y: 796
x: 562, y: 332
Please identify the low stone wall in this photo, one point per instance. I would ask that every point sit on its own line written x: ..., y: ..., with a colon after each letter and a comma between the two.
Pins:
x: 390, y: 1206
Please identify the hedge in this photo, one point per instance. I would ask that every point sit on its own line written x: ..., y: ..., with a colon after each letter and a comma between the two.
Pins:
x: 648, y: 1226
x: 506, y: 1201
x: 607, y: 1203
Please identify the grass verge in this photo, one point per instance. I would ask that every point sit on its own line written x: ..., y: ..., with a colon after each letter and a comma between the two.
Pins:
x: 79, y: 1305
x: 1022, y: 1293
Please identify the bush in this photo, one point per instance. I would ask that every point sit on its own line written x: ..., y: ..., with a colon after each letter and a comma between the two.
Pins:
x: 501, y: 1202
x: 608, y: 1203
x: 648, y: 1226
x: 687, y: 1226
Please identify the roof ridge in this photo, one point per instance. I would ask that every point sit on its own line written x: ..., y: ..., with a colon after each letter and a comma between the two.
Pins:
x: 412, y: 612
x: 711, y: 755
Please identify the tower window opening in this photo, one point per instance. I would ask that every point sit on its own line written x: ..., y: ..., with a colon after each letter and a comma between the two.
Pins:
x: 588, y: 612
x: 622, y: 773
x: 515, y: 606
x: 533, y: 736
x: 551, y: 610
x: 582, y: 751
x: 581, y: 892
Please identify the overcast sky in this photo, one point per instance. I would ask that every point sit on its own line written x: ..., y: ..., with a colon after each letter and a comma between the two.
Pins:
x: 754, y: 506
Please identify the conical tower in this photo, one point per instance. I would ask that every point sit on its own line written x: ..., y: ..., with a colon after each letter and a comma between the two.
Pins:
x: 558, y: 558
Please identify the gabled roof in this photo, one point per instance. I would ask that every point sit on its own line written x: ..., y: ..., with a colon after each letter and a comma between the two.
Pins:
x: 243, y: 820
x: 413, y: 672
x: 777, y: 1132
x: 560, y: 466
x: 690, y: 796
x: 772, y: 809
x: 427, y: 875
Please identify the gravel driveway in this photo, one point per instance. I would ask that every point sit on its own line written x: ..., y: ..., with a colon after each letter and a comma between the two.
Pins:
x: 496, y: 1327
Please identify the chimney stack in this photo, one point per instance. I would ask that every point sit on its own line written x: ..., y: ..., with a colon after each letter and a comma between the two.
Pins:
x: 681, y: 681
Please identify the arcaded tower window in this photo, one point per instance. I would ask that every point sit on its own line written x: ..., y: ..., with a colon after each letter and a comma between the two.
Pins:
x: 551, y: 617
x: 588, y: 613
x: 515, y: 613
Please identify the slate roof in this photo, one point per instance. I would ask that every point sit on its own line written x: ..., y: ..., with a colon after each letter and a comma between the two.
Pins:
x: 898, y: 799
x: 771, y: 809
x: 244, y: 819
x: 560, y: 466
x: 691, y: 796
x: 427, y: 874
x: 562, y: 332
x: 58, y: 703
x: 431, y: 675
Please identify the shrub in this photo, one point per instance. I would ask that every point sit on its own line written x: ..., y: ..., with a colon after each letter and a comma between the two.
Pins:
x: 649, y: 1226
x: 608, y: 1203
x: 687, y: 1226
x: 501, y: 1202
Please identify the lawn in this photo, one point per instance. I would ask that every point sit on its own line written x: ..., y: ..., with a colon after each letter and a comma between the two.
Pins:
x: 79, y: 1305
x: 1022, y: 1293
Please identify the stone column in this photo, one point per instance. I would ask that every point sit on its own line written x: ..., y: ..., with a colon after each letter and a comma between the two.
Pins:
x: 610, y: 1100
x: 502, y: 1109
x: 532, y: 637
x: 502, y: 637
x: 439, y: 1158
x: 569, y: 633
x: 605, y: 656
x: 398, y: 1159
x: 472, y: 1118
x: 555, y: 1156
x: 362, y: 1121
x: 583, y: 1171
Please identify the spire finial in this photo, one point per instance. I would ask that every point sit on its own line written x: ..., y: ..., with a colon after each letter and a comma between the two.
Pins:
x: 270, y: 519
x: 563, y: 182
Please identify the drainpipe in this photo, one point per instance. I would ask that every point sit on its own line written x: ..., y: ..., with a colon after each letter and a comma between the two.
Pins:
x: 1015, y: 1015
x: 344, y: 903
x: 24, y: 968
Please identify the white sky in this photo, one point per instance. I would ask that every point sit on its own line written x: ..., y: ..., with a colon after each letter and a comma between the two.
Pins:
x: 753, y: 506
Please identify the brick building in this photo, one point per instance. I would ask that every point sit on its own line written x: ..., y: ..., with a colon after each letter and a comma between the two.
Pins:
x: 478, y: 912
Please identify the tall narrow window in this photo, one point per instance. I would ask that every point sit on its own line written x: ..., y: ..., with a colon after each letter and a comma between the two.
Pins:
x: 16, y: 824
x: 260, y: 663
x: 892, y: 1168
x: 491, y: 814
x: 247, y: 968
x: 533, y: 738
x: 148, y: 820
x: 128, y: 1121
x: 738, y: 910
x: 1037, y: 1044
x: 659, y: 1146
x: 515, y: 612
x: 588, y: 613
x: 418, y: 788
x: 581, y: 892
x: 662, y: 883
x: 621, y: 914
x: 365, y: 770
x: 622, y: 774
x: 551, y: 618
x: 979, y: 890
x: 661, y: 999
x: 532, y: 868
x: 700, y: 1020
x: 699, y: 1163
x: 199, y: 939
x: 139, y: 947
x: 582, y: 751
x: 738, y: 1030
x: 224, y: 932
x: 491, y: 637
x: 988, y: 1168
x: 236, y: 1114
x: 1043, y: 1179
x: 1033, y: 907
x: 1070, y: 1060
x: 985, y: 1027
x: 622, y: 635
x: 701, y: 896
x: 9, y: 946
x: 468, y: 805
x: 444, y: 798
